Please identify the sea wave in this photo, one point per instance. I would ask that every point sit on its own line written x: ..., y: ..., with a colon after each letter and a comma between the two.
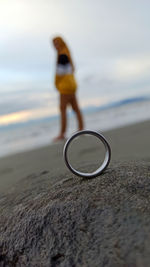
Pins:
x: 32, y: 134
x: 85, y: 110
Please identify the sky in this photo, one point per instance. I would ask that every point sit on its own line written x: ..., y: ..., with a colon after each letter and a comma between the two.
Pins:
x: 109, y: 41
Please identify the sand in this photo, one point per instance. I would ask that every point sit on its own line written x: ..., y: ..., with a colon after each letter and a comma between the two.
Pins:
x: 128, y: 143
x: 50, y: 217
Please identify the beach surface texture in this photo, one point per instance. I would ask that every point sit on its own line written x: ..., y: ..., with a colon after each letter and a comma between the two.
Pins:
x: 50, y: 217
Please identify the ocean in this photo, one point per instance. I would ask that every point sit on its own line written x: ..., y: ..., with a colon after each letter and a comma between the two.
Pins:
x: 35, y: 133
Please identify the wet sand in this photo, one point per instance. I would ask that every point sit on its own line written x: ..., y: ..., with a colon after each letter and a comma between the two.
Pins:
x: 129, y: 143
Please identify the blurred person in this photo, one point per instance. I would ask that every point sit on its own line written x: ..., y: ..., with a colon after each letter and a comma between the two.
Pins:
x: 66, y: 85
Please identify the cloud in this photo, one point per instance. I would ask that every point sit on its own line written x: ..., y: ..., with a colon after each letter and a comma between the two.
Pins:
x: 132, y: 68
x: 109, y: 41
x: 27, y: 100
x: 26, y: 115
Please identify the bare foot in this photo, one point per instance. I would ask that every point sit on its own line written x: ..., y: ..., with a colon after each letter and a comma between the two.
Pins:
x: 59, y: 138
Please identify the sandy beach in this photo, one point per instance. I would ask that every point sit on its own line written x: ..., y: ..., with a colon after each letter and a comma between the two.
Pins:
x: 129, y: 143
x: 50, y: 217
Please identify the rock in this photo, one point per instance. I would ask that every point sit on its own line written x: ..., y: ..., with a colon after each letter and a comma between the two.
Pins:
x: 78, y: 222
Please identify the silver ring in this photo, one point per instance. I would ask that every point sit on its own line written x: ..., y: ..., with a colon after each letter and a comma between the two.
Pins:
x: 106, y: 159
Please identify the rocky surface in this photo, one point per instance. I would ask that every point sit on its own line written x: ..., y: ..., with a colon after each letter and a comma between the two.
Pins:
x: 72, y: 221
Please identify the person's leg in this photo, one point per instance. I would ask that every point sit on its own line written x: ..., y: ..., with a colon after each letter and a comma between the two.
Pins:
x: 75, y: 107
x: 63, y: 117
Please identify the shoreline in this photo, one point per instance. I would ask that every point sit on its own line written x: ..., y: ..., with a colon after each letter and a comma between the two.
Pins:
x: 39, y: 134
x: 127, y: 143
x: 51, y: 143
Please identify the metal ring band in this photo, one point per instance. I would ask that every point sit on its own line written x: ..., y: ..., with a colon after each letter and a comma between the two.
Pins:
x: 106, y: 159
